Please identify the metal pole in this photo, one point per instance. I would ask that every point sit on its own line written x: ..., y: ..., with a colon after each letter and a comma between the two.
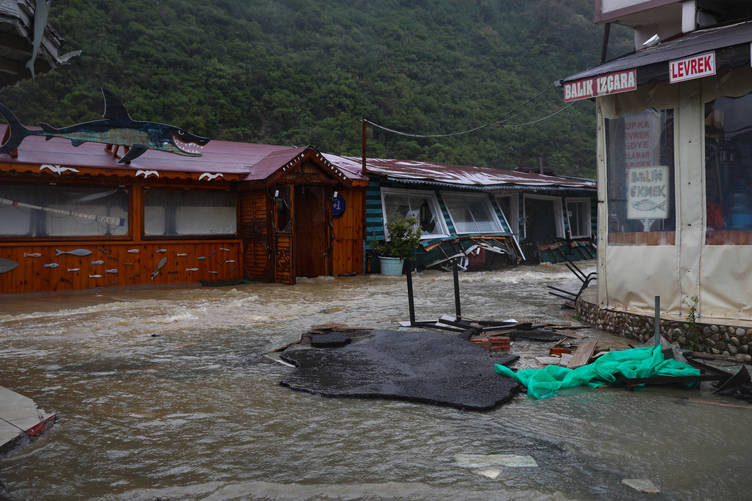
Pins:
x: 457, y: 309
x: 657, y: 321
x: 410, y: 301
x: 363, y: 166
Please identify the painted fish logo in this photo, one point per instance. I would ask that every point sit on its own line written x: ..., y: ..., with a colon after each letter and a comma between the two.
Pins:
x: 647, y: 205
x: 117, y: 127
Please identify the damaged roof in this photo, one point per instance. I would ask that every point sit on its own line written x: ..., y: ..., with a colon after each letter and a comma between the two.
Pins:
x: 457, y: 175
x: 17, y: 41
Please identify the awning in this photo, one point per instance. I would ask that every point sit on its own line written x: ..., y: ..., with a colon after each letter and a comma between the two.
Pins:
x: 651, y: 64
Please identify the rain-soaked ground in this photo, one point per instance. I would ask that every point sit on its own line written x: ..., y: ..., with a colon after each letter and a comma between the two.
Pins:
x: 165, y: 394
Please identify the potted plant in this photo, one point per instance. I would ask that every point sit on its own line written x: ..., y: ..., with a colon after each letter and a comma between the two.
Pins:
x: 403, y: 238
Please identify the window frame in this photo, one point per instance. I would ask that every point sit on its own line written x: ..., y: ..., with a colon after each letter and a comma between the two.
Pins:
x: 193, y: 236
x: 433, y: 205
x: 589, y: 218
x: 512, y: 219
x: 129, y: 189
x: 473, y: 196
x: 558, y: 212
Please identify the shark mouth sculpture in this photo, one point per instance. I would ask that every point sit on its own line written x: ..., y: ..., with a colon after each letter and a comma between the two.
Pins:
x: 117, y: 127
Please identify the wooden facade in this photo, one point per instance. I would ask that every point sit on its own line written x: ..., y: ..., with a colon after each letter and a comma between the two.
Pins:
x: 282, y: 223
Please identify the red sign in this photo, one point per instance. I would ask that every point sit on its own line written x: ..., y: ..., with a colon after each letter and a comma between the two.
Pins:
x: 689, y: 68
x: 603, y: 85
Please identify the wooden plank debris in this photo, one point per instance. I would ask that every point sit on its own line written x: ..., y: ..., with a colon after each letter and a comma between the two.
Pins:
x: 583, y: 353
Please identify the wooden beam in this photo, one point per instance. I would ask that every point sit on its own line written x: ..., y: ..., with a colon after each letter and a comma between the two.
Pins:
x: 583, y: 353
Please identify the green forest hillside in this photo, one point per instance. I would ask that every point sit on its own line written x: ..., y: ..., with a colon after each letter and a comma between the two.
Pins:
x: 306, y: 71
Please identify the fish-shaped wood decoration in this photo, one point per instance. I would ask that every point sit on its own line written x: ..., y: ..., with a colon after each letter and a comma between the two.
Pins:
x: 229, y: 260
x: 7, y: 265
x: 161, y: 263
x: 51, y: 265
x: 191, y: 269
x: 224, y: 249
x: 32, y: 254
x: 74, y: 269
x: 95, y: 276
x: 76, y: 252
x: 113, y: 270
x: 116, y: 127
x: 181, y: 254
x: 98, y: 261
x: 134, y: 251
x: 161, y: 250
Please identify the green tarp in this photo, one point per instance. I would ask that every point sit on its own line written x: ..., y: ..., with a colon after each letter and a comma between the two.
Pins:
x: 635, y: 363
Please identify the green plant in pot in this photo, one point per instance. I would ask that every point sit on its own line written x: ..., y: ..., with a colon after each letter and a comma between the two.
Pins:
x: 404, y: 238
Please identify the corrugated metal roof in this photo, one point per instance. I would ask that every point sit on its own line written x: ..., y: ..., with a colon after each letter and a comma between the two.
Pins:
x: 692, y: 43
x: 256, y: 161
x: 17, y: 33
x: 454, y: 175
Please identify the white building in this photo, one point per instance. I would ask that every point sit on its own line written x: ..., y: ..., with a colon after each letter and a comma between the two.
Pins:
x: 674, y: 156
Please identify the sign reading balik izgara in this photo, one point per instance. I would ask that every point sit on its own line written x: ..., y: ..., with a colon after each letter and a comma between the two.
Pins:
x: 602, y: 85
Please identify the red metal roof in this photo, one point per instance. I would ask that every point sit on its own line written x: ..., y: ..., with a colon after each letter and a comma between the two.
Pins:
x: 466, y: 175
x: 256, y: 161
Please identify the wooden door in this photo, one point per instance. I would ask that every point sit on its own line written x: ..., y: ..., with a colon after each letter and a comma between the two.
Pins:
x: 284, y: 246
x: 312, y: 231
x: 253, y: 228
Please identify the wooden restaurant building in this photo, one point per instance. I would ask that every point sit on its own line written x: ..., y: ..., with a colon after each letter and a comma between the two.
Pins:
x: 674, y: 153
x: 75, y: 218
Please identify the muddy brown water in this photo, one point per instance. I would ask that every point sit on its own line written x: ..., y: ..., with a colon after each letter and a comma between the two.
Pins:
x: 164, y: 393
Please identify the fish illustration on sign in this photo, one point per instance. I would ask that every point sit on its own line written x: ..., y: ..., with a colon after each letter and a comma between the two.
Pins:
x: 76, y: 252
x: 649, y: 205
x: 51, y: 265
x: 117, y: 127
x: 32, y: 254
x: 7, y: 265
x: 161, y: 263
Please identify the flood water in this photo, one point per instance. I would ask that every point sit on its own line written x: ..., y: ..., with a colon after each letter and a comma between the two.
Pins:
x: 166, y: 394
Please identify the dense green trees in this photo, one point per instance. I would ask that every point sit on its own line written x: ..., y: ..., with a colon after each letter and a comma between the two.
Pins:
x: 306, y: 71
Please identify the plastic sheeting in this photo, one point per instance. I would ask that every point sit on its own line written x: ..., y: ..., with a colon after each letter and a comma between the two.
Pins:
x: 635, y: 363
x: 719, y: 276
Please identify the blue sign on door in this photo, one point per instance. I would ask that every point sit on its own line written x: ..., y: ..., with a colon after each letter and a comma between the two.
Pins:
x: 338, y: 206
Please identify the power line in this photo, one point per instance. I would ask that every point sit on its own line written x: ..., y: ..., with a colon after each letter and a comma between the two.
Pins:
x: 475, y: 129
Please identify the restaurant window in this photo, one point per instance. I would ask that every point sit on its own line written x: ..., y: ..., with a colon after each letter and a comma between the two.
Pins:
x: 728, y: 170
x: 578, y: 214
x: 172, y: 213
x: 423, y: 206
x: 640, y: 173
x: 510, y: 209
x: 62, y: 211
x: 472, y: 213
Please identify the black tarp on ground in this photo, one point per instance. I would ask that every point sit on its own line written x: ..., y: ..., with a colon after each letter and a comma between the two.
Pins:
x: 426, y: 367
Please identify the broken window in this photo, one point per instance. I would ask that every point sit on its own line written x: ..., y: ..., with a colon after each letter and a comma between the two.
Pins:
x: 728, y: 170
x: 472, y: 213
x: 508, y: 203
x: 640, y: 177
x: 28, y: 210
x: 421, y: 205
x: 188, y: 213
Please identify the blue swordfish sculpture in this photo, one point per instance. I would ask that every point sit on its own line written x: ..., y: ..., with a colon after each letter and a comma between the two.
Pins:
x: 117, y: 127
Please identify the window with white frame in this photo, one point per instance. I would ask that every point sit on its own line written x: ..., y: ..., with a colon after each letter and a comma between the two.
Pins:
x: 472, y: 213
x: 578, y: 213
x: 543, y: 218
x: 422, y: 205
x: 508, y: 203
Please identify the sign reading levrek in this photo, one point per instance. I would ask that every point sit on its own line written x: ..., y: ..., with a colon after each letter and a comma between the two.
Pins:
x: 602, y: 85
x: 689, y: 68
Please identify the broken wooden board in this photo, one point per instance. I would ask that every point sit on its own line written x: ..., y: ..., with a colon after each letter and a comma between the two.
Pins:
x: 583, y: 353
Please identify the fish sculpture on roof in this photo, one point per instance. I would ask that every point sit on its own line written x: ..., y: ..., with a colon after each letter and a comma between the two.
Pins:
x: 117, y: 127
